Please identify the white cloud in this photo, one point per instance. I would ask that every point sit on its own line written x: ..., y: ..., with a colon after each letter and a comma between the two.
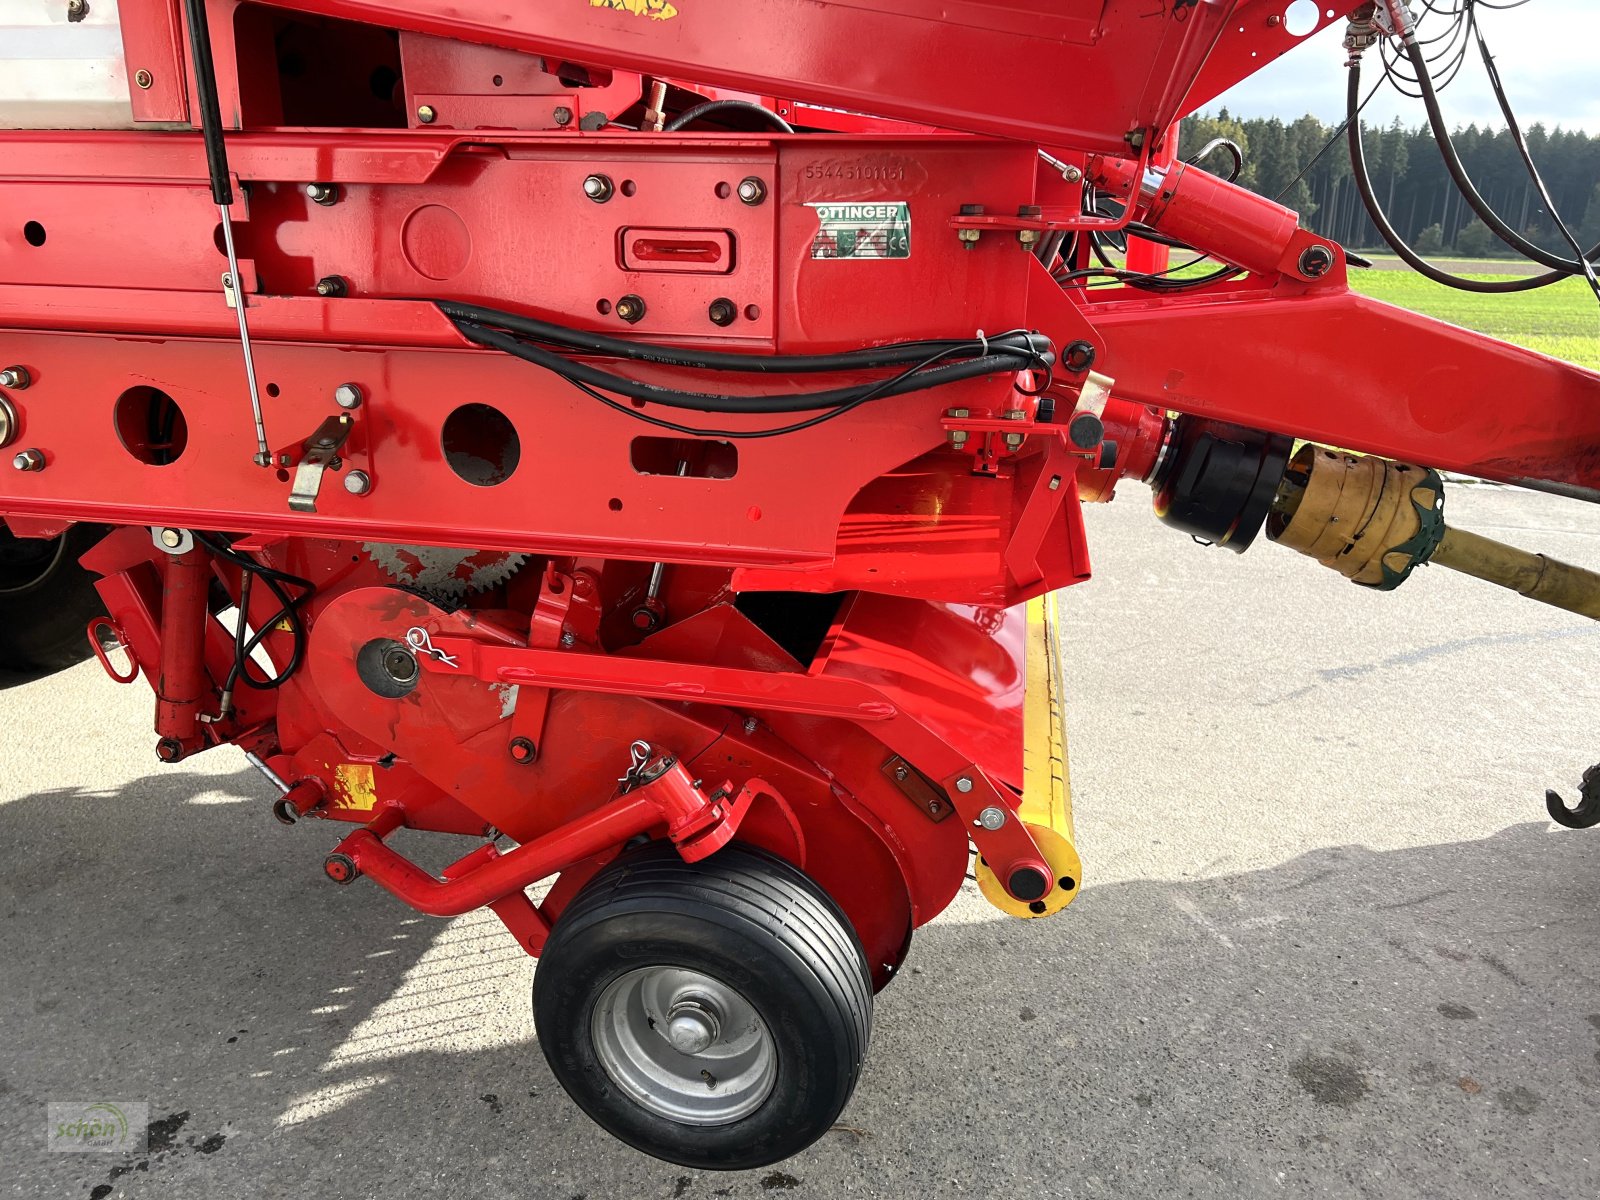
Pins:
x: 1547, y: 51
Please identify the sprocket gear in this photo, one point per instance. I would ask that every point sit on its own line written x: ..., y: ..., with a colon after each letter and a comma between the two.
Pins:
x: 444, y: 571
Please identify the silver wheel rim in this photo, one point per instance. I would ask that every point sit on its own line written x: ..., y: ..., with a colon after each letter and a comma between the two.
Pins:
x: 683, y: 1045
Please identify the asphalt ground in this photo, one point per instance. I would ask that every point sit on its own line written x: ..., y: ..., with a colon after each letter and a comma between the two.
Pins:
x: 1329, y: 944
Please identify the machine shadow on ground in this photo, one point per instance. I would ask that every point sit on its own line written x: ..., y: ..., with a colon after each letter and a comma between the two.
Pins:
x: 1412, y: 1022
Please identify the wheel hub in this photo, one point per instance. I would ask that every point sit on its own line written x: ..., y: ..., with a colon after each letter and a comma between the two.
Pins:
x: 684, y: 1045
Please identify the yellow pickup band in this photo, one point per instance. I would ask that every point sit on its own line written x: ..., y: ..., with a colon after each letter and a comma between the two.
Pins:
x: 1046, y: 803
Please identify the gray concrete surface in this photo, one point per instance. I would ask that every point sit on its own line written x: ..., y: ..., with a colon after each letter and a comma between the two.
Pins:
x: 1329, y: 944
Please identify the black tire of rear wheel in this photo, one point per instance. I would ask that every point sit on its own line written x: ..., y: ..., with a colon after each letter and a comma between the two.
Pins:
x: 44, y: 620
x: 742, y: 916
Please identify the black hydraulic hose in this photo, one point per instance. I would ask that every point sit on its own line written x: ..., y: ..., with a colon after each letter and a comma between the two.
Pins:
x: 1023, y: 345
x: 581, y: 372
x: 1463, y: 182
x: 205, y: 86
x: 689, y: 115
x: 1369, y: 198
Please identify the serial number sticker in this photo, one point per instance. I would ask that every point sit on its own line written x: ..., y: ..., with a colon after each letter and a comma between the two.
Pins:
x: 880, y: 230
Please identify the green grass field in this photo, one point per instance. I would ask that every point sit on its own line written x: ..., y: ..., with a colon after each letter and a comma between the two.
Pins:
x: 1562, y: 321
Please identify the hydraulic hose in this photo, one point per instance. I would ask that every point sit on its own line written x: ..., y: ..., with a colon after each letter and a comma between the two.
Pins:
x: 1463, y: 182
x: 1369, y: 198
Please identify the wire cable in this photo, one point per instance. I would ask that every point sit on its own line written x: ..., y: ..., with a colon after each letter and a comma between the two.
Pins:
x: 277, y: 583
x: 690, y: 115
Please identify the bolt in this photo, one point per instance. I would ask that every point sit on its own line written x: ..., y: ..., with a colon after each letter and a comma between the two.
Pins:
x: 77, y: 10
x: 332, y: 285
x: 1013, y: 440
x: 1028, y: 237
x: 358, y: 483
x: 902, y: 772
x: 563, y: 116
x: 751, y: 724
x: 16, y: 378
x: 348, y: 395
x: 284, y: 460
x: 142, y: 78
x: 969, y: 237
x: 568, y: 641
x: 29, y: 460
x: 963, y: 784
x: 323, y: 193
x: 958, y: 438
x: 1316, y: 261
x: 722, y: 312
x: 172, y: 538
x: 1055, y: 482
x: 399, y: 664
x: 631, y: 309
x: 169, y: 750
x: 752, y: 190
x: 598, y: 188
x: 992, y: 818
x: 427, y: 114
x: 521, y: 750
x: 1072, y: 175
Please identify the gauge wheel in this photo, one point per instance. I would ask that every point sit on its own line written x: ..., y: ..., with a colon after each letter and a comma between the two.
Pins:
x: 713, y: 1014
x: 46, y: 600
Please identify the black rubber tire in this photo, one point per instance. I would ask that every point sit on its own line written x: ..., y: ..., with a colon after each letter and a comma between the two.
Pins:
x: 46, y: 601
x: 750, y: 920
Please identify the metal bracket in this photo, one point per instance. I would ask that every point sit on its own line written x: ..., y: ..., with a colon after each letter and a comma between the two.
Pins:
x: 322, y: 450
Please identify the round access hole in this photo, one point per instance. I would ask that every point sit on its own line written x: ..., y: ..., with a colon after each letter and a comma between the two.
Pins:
x: 33, y: 233
x: 151, y: 426
x: 481, y: 444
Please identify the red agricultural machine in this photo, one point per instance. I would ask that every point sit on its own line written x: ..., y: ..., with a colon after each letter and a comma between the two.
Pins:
x: 643, y: 438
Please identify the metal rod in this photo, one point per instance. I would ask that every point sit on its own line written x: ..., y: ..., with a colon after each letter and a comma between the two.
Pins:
x: 273, y: 777
x: 231, y: 283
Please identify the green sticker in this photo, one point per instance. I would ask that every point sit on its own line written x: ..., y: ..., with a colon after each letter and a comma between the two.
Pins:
x: 881, y: 230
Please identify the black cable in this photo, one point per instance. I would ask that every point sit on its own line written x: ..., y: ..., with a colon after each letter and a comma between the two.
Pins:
x: 690, y: 115
x: 289, y: 611
x: 749, y: 434
x: 1463, y: 182
x: 1374, y: 207
x: 1023, y: 344
x: 1220, y: 143
x: 1515, y: 129
x: 912, y: 380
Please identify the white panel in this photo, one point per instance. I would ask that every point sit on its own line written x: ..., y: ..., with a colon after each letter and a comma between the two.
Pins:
x: 60, y: 74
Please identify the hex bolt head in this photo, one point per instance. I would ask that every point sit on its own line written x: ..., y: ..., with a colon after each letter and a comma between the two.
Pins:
x: 348, y: 395
x: 751, y: 724
x: 29, y: 460
x: 562, y: 115
x: 963, y: 785
x: 332, y: 285
x: 322, y: 193
x: 427, y: 114
x: 598, y: 188
x: 630, y: 308
x: 358, y: 483
x: 992, y: 818
x: 77, y: 10
x: 1072, y: 175
x: 722, y: 312
x: 752, y: 190
x: 16, y: 378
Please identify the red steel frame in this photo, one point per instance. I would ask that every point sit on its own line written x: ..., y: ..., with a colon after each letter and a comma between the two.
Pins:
x: 927, y: 518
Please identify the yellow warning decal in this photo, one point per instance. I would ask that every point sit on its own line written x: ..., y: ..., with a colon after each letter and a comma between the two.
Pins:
x: 353, y: 787
x: 656, y: 10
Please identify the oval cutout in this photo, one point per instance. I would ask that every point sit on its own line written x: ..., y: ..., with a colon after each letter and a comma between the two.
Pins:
x: 151, y: 426
x: 480, y: 445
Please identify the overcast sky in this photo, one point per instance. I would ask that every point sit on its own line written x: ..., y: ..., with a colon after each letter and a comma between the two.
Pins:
x: 1548, y: 52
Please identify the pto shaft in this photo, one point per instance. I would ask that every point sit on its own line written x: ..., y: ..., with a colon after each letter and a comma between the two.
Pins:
x: 1374, y: 521
x: 1535, y: 576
